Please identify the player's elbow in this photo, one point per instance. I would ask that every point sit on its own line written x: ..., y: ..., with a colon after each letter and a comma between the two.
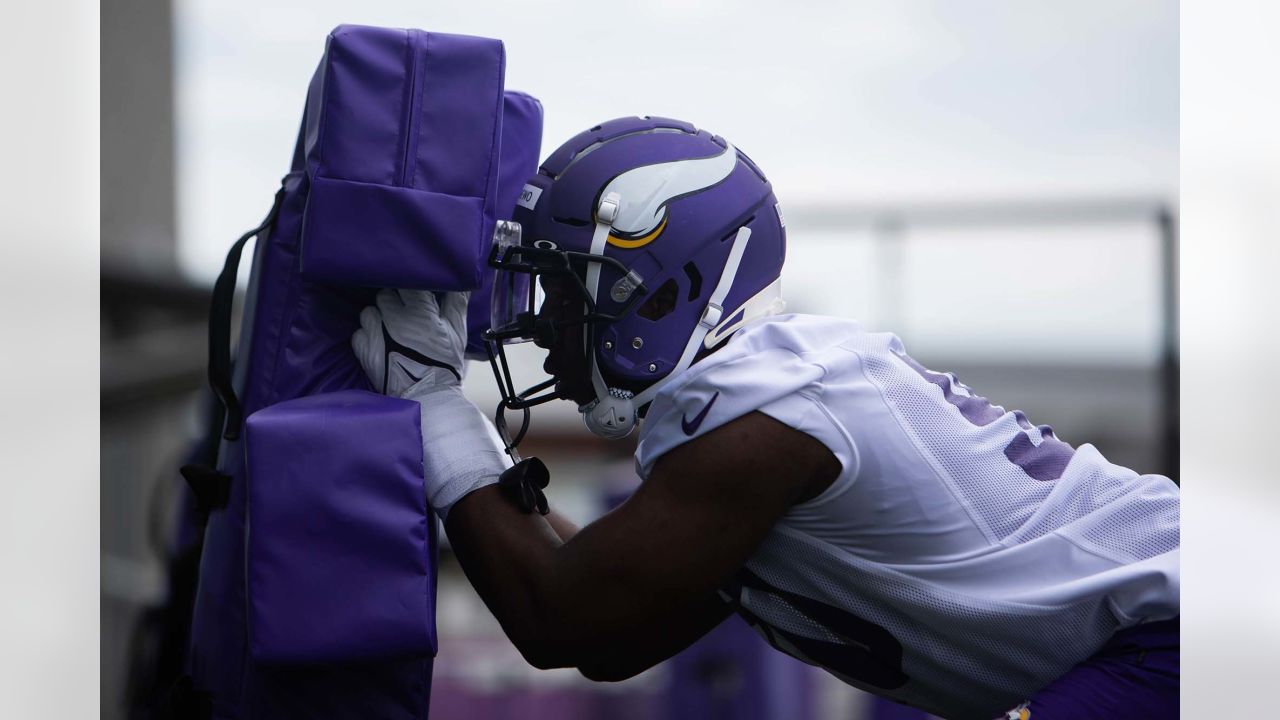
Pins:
x: 542, y: 659
x: 549, y: 636
x: 546, y: 643
x: 537, y: 629
x: 608, y: 672
x: 547, y: 651
x: 543, y: 653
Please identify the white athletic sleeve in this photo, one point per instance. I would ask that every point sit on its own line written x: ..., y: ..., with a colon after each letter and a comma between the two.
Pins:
x: 733, y: 382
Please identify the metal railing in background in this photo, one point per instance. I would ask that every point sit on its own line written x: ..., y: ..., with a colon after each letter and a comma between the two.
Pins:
x: 890, y: 226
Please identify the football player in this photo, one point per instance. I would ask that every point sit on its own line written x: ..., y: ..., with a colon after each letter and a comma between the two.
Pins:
x: 862, y: 512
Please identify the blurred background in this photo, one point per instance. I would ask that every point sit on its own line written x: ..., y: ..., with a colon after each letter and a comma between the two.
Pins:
x: 996, y: 182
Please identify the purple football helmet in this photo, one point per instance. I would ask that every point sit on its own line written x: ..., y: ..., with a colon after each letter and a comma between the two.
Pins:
x: 671, y: 236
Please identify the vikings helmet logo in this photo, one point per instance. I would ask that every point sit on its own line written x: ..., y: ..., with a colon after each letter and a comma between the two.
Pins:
x: 647, y: 191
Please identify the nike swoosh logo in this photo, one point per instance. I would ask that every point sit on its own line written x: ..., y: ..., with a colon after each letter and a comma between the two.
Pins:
x: 406, y: 372
x: 692, y: 427
x: 390, y: 345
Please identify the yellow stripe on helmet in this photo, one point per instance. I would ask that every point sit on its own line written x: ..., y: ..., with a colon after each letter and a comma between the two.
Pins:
x: 632, y: 243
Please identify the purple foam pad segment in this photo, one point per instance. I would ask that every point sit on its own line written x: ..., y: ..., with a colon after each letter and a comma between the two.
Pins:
x: 340, y: 541
x: 402, y: 136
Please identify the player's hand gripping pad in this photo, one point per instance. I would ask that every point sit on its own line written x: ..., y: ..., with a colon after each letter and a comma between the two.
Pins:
x: 340, y: 562
x: 401, y: 140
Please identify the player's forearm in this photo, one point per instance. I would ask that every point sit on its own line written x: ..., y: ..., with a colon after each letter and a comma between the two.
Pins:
x: 563, y: 527
x: 546, y: 599
x: 506, y: 554
x: 561, y: 604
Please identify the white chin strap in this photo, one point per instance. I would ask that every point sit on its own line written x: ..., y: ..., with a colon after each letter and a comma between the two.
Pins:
x: 612, y: 414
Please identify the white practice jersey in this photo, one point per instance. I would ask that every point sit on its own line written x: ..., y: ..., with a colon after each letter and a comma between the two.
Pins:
x: 964, y: 558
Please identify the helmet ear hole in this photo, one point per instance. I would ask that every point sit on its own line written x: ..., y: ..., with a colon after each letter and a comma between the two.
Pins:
x: 695, y: 280
x: 661, y: 303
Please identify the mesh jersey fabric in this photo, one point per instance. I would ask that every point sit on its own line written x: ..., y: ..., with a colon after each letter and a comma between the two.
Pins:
x: 975, y: 551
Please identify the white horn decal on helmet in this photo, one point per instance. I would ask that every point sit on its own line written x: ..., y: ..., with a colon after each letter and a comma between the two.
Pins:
x: 647, y: 191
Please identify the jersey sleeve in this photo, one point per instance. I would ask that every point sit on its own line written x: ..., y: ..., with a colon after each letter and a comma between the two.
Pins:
x: 777, y: 382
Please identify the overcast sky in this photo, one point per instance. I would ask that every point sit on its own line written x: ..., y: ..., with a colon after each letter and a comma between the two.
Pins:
x: 838, y: 101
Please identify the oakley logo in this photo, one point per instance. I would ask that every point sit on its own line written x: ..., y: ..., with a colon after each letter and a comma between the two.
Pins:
x: 692, y: 427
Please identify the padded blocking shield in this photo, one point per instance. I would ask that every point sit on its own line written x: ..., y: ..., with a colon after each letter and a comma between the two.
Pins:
x: 341, y: 546
x: 247, y: 657
x: 401, y: 149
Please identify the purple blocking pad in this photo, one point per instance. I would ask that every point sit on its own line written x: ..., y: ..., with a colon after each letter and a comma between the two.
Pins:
x: 291, y: 613
x: 340, y: 541
x: 401, y: 143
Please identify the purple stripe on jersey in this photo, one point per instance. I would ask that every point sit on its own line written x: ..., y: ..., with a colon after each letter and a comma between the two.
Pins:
x: 1043, y: 461
x: 975, y: 408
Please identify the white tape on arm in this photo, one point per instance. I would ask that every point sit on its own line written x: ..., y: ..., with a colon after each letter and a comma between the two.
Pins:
x: 461, y: 450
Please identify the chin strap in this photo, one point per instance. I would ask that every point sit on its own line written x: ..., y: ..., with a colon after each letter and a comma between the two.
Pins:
x: 606, y: 213
x: 613, y: 413
x: 712, y: 316
x: 763, y: 304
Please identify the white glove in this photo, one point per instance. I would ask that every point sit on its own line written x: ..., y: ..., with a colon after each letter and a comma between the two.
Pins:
x: 411, y: 347
x: 410, y: 339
